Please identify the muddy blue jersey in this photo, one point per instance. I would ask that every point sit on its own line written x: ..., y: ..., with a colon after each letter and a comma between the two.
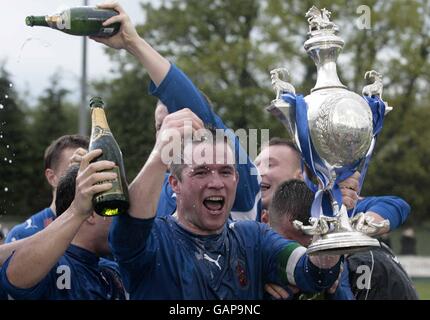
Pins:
x: 78, y: 275
x: 159, y: 259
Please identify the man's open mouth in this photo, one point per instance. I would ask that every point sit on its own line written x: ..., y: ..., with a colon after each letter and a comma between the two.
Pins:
x: 214, y: 203
x: 265, y: 186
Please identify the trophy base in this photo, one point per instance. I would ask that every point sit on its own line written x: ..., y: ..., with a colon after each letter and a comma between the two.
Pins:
x: 339, y: 243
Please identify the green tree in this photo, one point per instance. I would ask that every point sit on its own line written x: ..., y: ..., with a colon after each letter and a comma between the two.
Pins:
x: 213, y: 42
x: 15, y: 141
x: 52, y: 117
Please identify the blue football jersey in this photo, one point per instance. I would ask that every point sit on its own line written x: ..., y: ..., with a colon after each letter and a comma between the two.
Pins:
x: 159, y: 259
x: 32, y: 225
x: 78, y: 275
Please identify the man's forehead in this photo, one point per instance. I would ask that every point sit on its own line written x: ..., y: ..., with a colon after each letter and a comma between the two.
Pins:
x: 209, y: 166
x: 275, y: 151
x: 207, y: 153
x: 264, y: 155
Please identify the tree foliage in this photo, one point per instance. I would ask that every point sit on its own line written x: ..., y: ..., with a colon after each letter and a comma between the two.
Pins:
x: 52, y: 117
x: 15, y: 162
x: 25, y: 133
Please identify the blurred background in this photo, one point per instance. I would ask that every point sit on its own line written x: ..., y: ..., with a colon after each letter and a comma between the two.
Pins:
x: 228, y: 48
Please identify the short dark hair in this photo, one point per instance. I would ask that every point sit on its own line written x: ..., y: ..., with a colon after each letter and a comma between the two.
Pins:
x: 66, y: 189
x: 292, y: 199
x: 54, y: 150
x: 178, y: 166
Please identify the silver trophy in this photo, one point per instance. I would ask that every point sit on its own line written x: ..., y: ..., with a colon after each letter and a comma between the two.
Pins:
x: 341, y: 130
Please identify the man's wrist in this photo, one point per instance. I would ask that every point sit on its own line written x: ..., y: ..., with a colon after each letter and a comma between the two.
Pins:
x: 136, y: 46
x: 76, y: 213
x: 155, y: 158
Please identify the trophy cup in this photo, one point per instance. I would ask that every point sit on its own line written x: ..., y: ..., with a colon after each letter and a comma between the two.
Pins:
x: 335, y: 130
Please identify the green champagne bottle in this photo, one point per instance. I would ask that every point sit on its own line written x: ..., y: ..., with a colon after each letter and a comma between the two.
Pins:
x: 114, y: 201
x: 78, y: 21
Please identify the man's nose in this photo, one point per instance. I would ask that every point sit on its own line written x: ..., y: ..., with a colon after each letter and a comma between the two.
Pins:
x: 216, y: 181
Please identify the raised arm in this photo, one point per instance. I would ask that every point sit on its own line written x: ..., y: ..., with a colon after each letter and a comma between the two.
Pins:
x: 127, y: 38
x: 177, y: 91
x: 146, y: 187
x: 43, y: 250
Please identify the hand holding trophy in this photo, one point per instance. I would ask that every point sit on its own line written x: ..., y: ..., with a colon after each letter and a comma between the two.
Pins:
x: 335, y: 129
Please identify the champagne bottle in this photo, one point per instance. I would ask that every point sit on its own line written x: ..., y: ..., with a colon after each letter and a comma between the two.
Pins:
x: 114, y: 201
x: 78, y: 21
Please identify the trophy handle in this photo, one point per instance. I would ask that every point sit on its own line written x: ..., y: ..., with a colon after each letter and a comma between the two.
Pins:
x: 285, y: 113
x: 280, y: 86
x: 318, y: 226
x: 375, y: 88
x: 365, y: 224
x: 281, y: 109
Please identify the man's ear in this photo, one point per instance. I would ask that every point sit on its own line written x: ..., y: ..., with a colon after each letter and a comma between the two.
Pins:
x: 298, y: 175
x: 174, y: 183
x: 51, y: 177
x: 265, y: 216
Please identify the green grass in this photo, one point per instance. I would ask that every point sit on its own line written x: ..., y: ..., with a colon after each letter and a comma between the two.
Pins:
x: 423, y: 287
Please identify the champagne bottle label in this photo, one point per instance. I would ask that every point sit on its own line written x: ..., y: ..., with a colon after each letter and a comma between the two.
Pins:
x: 99, y: 132
x: 60, y: 21
x: 116, y: 185
x: 65, y: 21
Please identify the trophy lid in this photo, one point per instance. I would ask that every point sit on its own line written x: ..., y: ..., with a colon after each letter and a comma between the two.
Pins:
x: 321, y: 29
x: 323, y: 46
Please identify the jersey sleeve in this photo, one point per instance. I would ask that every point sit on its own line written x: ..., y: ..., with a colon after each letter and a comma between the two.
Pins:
x: 286, y: 263
x: 133, y: 246
x: 177, y: 91
x: 15, y: 234
x: 393, y: 208
x: 39, y: 291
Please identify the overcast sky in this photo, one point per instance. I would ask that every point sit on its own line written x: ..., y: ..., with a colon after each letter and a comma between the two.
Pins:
x: 33, y: 54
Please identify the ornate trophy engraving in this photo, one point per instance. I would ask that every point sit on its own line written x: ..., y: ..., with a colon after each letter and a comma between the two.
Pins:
x: 334, y: 128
